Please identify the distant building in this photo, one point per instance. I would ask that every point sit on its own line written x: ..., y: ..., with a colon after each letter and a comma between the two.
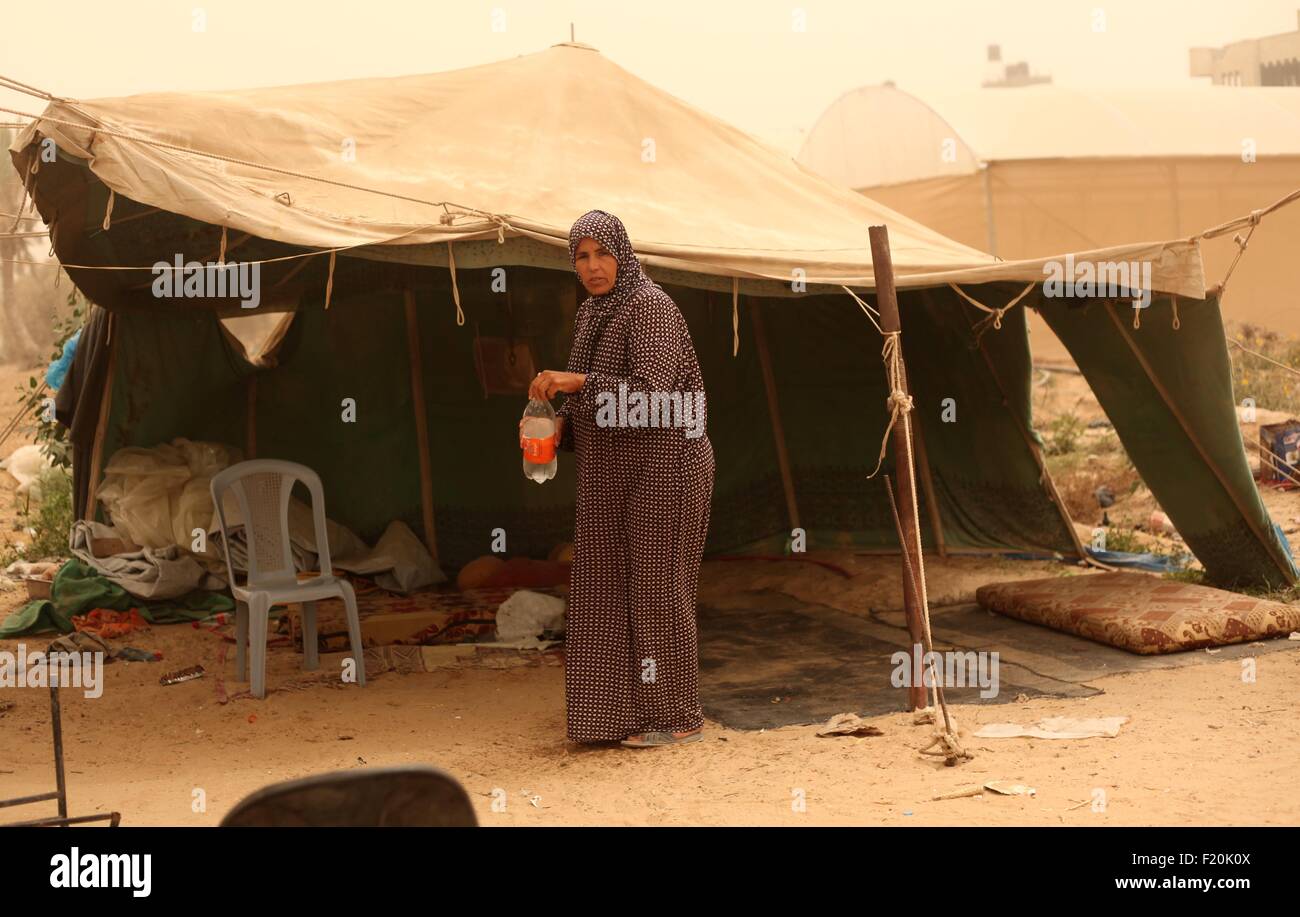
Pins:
x: 999, y: 76
x: 1270, y: 61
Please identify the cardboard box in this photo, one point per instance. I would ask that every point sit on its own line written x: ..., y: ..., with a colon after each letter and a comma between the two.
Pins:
x: 1280, y: 443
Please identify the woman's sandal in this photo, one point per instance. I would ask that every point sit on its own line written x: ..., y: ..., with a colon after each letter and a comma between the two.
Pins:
x: 655, y: 739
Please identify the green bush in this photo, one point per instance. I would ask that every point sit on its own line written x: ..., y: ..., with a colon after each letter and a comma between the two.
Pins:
x: 50, y: 518
x: 41, y: 426
x: 1271, y: 386
x: 1124, y: 541
x: 1064, y: 434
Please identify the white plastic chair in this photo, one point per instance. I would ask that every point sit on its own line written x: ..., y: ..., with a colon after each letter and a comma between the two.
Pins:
x: 262, y: 488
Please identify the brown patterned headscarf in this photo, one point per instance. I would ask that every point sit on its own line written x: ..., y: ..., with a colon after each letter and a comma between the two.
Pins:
x: 608, y: 230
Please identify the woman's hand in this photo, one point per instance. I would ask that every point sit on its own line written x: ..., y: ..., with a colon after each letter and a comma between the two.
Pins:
x: 550, y: 381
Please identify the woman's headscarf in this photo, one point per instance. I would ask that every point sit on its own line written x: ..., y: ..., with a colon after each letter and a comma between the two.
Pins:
x: 631, y: 279
x: 608, y: 230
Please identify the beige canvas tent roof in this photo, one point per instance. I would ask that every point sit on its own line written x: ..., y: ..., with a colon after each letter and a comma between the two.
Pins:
x: 494, y: 150
x: 407, y: 163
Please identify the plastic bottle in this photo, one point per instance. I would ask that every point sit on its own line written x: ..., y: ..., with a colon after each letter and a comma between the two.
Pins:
x: 537, y: 437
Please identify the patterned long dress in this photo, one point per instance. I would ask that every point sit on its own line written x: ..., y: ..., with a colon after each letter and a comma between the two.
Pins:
x: 631, y: 650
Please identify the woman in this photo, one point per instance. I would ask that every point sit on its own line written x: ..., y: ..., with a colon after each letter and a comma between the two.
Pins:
x: 631, y: 663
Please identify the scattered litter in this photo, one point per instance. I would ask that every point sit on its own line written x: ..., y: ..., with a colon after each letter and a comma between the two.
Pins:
x: 38, y: 587
x: 135, y: 654
x: 175, y: 678
x: 1056, y: 727
x: 1003, y: 788
x: 974, y: 789
x: 1213, y: 652
x: 1160, y: 523
x: 27, y: 464
x: 44, y: 569
x: 252, y: 717
x: 848, y: 724
x: 1295, y: 635
x: 108, y: 623
x: 79, y: 642
x: 529, y: 614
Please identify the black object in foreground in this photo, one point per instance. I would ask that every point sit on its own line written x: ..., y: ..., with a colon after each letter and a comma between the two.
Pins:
x: 382, y: 797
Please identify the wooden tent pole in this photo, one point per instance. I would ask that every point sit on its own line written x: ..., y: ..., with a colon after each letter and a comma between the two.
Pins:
x: 887, y: 301
x: 774, y: 411
x: 101, y: 423
x: 421, y: 424
x: 250, y: 416
x: 927, y: 485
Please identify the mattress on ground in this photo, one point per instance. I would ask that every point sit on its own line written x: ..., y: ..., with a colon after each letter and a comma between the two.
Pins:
x: 1141, y: 613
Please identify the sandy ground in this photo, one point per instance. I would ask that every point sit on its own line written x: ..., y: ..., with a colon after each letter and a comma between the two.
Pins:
x: 1202, y: 746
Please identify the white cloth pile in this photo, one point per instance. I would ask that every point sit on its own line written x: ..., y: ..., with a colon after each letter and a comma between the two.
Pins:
x: 161, y: 498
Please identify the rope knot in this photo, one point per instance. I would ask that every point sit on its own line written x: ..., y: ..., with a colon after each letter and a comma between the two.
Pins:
x: 899, y: 402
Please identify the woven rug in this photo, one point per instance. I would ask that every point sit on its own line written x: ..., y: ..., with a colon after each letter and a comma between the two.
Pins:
x: 1139, y: 613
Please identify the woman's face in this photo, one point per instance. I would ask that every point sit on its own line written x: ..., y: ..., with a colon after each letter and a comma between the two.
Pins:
x: 597, y: 268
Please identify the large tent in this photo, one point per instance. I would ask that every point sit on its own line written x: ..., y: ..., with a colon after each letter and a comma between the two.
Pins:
x: 1040, y: 170
x: 412, y: 231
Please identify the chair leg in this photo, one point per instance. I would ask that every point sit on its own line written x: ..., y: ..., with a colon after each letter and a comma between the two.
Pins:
x: 241, y: 641
x: 311, y: 658
x: 354, y: 629
x: 259, y: 610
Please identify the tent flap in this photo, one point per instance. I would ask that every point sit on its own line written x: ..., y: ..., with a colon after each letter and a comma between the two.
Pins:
x: 1169, y: 395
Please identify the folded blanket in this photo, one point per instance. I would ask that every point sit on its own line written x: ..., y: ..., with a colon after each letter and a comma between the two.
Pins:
x: 398, y: 562
x: 149, y: 573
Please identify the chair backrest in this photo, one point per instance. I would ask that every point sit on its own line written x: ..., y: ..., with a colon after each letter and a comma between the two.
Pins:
x: 262, y: 488
x: 376, y: 797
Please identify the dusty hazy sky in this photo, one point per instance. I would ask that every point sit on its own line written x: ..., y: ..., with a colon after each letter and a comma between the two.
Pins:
x: 743, y: 61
